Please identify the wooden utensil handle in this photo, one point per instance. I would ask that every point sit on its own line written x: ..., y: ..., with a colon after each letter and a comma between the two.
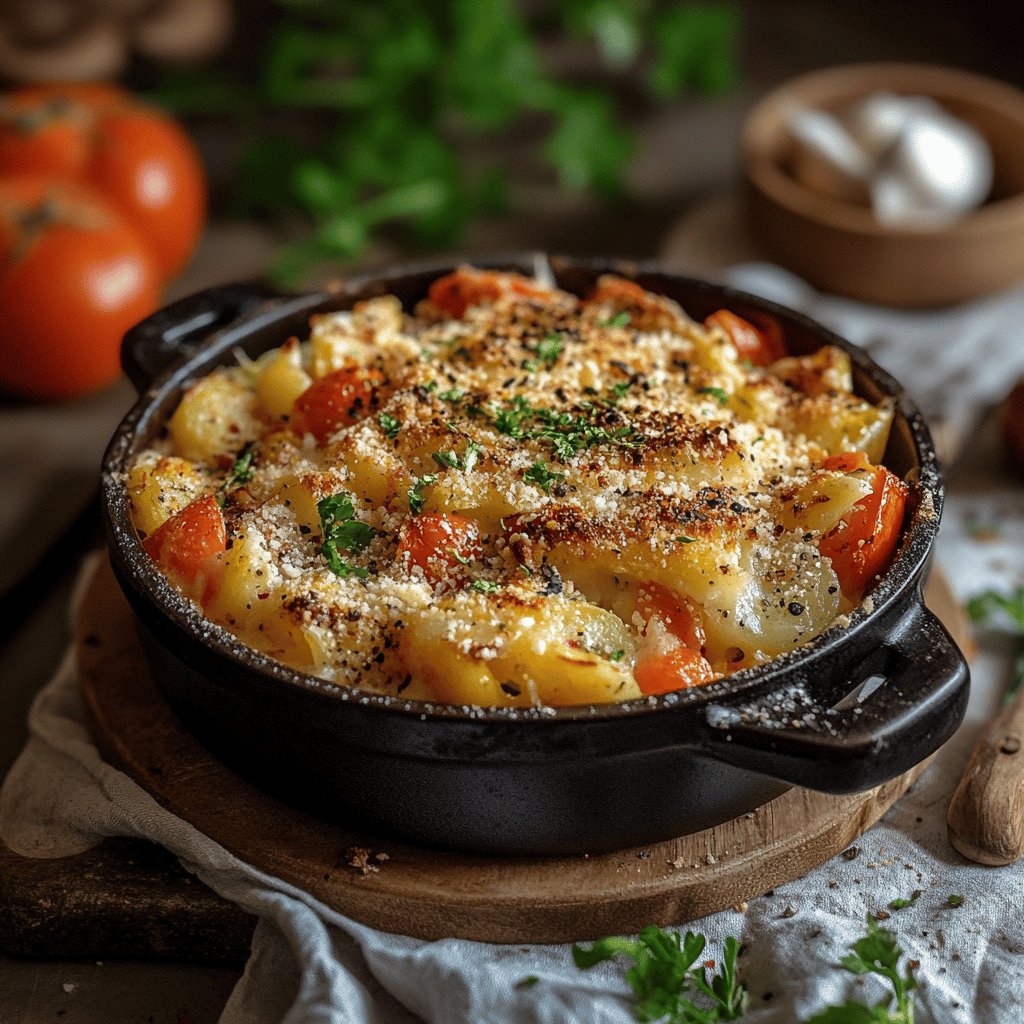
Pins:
x: 986, y: 814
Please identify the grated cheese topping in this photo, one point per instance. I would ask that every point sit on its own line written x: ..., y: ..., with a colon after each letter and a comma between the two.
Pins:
x: 535, y: 500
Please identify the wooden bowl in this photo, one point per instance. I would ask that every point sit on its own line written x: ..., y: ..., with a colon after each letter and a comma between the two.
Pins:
x: 839, y: 246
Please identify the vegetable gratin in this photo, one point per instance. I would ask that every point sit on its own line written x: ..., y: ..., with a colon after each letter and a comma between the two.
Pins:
x: 518, y: 497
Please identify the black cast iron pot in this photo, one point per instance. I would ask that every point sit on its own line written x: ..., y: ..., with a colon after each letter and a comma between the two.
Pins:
x: 859, y: 705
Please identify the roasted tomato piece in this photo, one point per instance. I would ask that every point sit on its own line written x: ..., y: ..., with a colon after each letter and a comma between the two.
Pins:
x: 439, y: 543
x: 676, y: 614
x: 456, y: 292
x: 335, y: 401
x: 760, y: 345
x: 678, y: 669
x: 186, y: 546
x: 864, y: 542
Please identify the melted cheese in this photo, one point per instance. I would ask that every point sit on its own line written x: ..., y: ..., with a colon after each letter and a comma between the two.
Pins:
x: 593, y: 456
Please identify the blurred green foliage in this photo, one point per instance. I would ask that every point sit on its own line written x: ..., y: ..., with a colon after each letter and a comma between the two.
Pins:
x: 405, y: 82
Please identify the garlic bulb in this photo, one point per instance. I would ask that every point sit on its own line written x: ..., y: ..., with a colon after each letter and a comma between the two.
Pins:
x: 913, y: 162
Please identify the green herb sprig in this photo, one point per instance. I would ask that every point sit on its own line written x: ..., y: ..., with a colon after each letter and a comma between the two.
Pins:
x: 389, y: 80
x: 547, y: 351
x: 1004, y: 612
x: 342, y: 532
x: 876, y: 953
x: 543, y: 476
x: 669, y: 984
x: 415, y: 493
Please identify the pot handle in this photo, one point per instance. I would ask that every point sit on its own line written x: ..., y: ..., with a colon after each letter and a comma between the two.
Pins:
x: 911, y: 699
x: 150, y: 346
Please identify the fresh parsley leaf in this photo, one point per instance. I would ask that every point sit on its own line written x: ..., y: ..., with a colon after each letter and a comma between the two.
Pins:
x: 621, y: 319
x: 341, y: 531
x: 242, y: 471
x: 528, y: 982
x: 415, y: 493
x: 447, y: 459
x: 509, y: 421
x: 684, y: 539
x: 617, y: 655
x: 1005, y: 612
x: 876, y: 953
x: 619, y: 390
x: 389, y: 424
x: 543, y: 476
x: 663, y: 976
x: 452, y: 395
x: 430, y: 387
x: 548, y: 350
x: 901, y: 903
x: 485, y: 587
x: 452, y: 461
x: 954, y: 900
x: 716, y: 393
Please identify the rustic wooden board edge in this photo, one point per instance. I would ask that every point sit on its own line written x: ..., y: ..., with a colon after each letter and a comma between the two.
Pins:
x: 124, y: 899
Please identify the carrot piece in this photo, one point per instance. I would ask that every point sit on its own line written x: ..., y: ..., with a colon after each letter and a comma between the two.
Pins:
x: 678, y: 616
x: 337, y: 400
x: 864, y: 542
x: 438, y: 543
x: 678, y: 669
x: 760, y: 345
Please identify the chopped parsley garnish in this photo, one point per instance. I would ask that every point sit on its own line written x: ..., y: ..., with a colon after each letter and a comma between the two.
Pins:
x: 525, y: 570
x: 485, y: 587
x: 683, y: 539
x: 528, y: 982
x: 342, y: 532
x: 567, y: 433
x: 667, y: 971
x: 452, y: 395
x: 617, y: 655
x: 415, y: 493
x: 460, y: 558
x: 449, y: 460
x: 509, y: 421
x: 954, y: 900
x: 242, y: 471
x: 621, y: 319
x: 430, y: 386
x: 389, y: 424
x: 619, y: 390
x: 717, y: 393
x: 547, y: 351
x: 543, y: 476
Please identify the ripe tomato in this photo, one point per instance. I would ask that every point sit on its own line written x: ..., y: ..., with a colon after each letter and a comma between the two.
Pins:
x: 136, y: 158
x: 187, y: 544
x: 760, y: 345
x: 679, y: 669
x: 337, y: 400
x: 863, y: 543
x: 73, y: 278
x: 438, y: 542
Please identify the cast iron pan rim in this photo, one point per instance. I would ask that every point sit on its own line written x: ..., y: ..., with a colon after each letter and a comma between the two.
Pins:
x: 138, y: 572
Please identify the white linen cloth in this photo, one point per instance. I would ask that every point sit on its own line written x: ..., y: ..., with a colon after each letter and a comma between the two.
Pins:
x: 311, y: 965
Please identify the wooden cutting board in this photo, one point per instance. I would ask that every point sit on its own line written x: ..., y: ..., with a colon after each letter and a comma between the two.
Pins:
x: 431, y: 893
